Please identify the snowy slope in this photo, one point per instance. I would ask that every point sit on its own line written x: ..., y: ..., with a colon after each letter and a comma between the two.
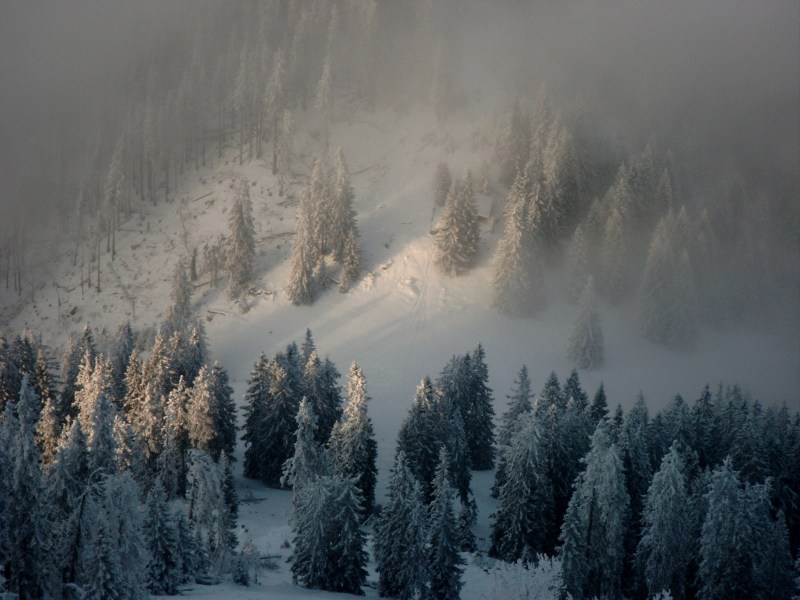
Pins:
x: 403, y: 320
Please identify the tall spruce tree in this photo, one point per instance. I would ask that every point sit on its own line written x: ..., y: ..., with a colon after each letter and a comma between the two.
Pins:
x: 444, y: 561
x: 162, y: 543
x: 586, y: 348
x: 593, y: 530
x: 352, y: 442
x: 525, y: 504
x: 663, y: 551
x: 401, y: 534
x: 457, y: 237
x: 242, y: 244
x: 256, y: 400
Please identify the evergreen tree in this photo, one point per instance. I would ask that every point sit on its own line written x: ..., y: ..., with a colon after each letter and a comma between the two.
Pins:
x: 594, y: 525
x: 579, y: 266
x: 586, y: 347
x: 401, y: 536
x: 665, y: 541
x: 121, y: 505
x: 256, y: 400
x: 519, y: 403
x: 200, y: 413
x: 309, y: 460
x: 666, y: 311
x: 442, y: 181
x: 302, y: 287
x: 348, y: 558
x: 525, y: 504
x: 101, y: 442
x: 329, y: 543
x: 444, y: 562
x: 458, y: 234
x: 124, y: 346
x: 242, y: 244
x: 613, y: 257
x: 48, y: 429
x: 724, y: 550
x: 25, y: 539
x: 341, y: 218
x: 275, y: 428
x: 68, y: 475
x: 208, y: 511
x: 99, y: 570
x: 518, y: 406
x: 598, y: 410
x: 352, y: 442
x: 518, y: 289
x: 479, y: 414
x: 351, y: 262
x: 223, y: 413
x: 162, y: 543
x: 515, y: 142
x: 323, y: 394
x: 421, y: 437
x: 179, y: 316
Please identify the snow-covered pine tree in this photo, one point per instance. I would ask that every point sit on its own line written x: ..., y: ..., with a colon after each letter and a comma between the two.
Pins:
x: 162, y: 543
x: 444, y: 559
x: 341, y: 215
x: 284, y: 150
x: 348, y: 556
x: 401, y: 536
x: 323, y: 101
x: 586, y: 348
x: 663, y: 551
x: 242, y: 249
x: 524, y: 516
x: 479, y: 417
x: 352, y: 442
x: 223, y: 413
x: 25, y: 541
x: 309, y: 460
x: 579, y: 265
x: 179, y: 315
x: 123, y: 348
x: 255, y: 413
x: 323, y: 394
x: 200, y: 413
x: 594, y: 525
x: 67, y: 476
x: 725, y: 559
x: 633, y: 443
x: 48, y: 429
x: 176, y: 442
x: 457, y: 237
x: 518, y: 287
x: 598, y: 409
x: 452, y: 404
x: 514, y: 145
x: 99, y: 570
x: 420, y: 437
x: 101, y: 442
x: 208, y: 511
x: 519, y: 404
x: 302, y: 287
x: 277, y: 426
x: 666, y: 312
x: 122, y: 507
x: 613, y: 257
x: 442, y: 181
x: 309, y: 547
x: 351, y: 263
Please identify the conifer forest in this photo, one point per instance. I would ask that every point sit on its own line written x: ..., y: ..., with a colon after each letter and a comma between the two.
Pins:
x: 417, y: 299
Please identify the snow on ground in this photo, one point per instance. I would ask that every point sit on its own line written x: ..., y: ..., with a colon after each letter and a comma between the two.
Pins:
x: 403, y: 320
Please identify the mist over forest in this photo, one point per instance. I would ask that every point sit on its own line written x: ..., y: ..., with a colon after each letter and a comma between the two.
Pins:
x: 600, y: 199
